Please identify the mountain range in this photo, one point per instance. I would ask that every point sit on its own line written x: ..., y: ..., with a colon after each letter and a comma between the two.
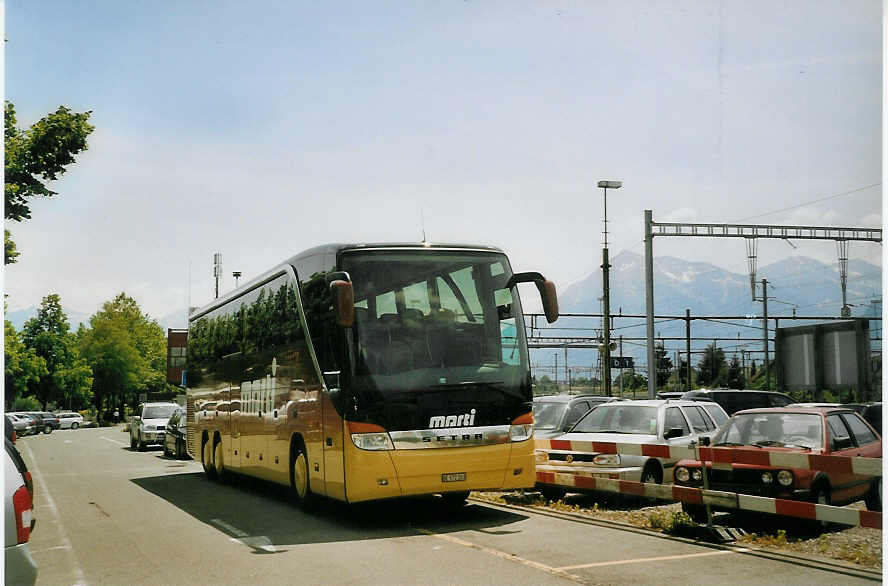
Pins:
x: 808, y: 285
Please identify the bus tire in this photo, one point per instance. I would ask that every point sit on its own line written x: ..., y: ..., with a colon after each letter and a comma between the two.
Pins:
x: 299, y: 477
x: 219, y: 459
x: 206, y: 459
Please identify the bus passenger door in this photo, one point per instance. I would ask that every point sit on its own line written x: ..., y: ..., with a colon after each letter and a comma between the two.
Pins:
x: 334, y: 463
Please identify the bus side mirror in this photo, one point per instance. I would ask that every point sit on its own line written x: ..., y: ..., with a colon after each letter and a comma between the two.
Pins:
x: 343, y: 303
x: 550, y: 300
x: 546, y: 289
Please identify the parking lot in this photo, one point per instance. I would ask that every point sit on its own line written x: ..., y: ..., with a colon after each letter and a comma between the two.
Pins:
x: 109, y: 515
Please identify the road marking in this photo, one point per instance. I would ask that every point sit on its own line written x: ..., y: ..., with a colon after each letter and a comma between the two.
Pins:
x: 642, y: 560
x: 79, y: 578
x: 108, y: 439
x: 503, y: 555
x: 260, y: 542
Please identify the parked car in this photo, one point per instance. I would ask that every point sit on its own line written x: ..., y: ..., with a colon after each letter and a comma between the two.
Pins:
x: 811, y: 430
x: 871, y: 413
x: 174, y: 436
x: 48, y: 421
x: 655, y: 421
x: 33, y: 423
x: 733, y: 400
x: 556, y: 414
x: 22, y: 425
x: 149, y: 425
x: 10, y: 430
x: 18, y: 506
x: 670, y: 394
x: 69, y: 420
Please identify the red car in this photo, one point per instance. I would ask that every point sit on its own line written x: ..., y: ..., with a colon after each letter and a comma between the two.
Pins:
x: 832, y: 431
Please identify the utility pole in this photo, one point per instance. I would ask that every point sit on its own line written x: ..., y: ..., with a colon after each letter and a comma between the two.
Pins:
x: 605, y: 281
x: 649, y: 297
x: 765, y: 334
x: 217, y: 270
x: 688, y: 343
x: 621, y: 366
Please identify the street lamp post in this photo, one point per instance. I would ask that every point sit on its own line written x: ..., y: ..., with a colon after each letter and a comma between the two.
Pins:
x: 605, y: 282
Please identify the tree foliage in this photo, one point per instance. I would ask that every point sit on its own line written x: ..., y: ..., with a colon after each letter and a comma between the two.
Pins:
x: 709, y: 369
x: 126, y: 350
x: 23, y: 368
x: 664, y: 364
x: 35, y: 156
x: 47, y: 335
x: 734, y: 378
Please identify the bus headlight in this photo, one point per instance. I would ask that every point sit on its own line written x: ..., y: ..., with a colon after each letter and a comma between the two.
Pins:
x: 785, y: 478
x: 372, y: 441
x: 519, y: 433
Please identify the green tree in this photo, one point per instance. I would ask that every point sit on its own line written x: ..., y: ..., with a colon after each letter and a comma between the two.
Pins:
x: 664, y: 364
x: 47, y: 334
x: 734, y: 378
x: 37, y: 155
x: 710, y: 366
x: 23, y: 368
x: 126, y: 350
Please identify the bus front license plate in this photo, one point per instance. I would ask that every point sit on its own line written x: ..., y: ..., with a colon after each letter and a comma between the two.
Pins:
x: 453, y: 476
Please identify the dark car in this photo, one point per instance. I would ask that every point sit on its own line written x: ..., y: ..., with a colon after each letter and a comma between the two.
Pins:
x: 174, y: 438
x: 807, y: 430
x: 733, y: 400
x: 871, y: 412
x: 48, y: 421
x: 556, y: 414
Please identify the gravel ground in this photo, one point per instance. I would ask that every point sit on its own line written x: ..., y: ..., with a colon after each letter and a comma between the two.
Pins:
x: 855, y: 545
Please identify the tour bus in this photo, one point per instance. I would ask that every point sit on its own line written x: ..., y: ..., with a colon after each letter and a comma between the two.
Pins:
x: 368, y: 371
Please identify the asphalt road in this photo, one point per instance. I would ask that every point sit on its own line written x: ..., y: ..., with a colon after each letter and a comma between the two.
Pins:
x: 109, y: 515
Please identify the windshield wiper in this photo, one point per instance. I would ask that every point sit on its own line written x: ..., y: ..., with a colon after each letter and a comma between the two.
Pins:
x: 493, y: 384
x: 764, y: 443
x: 728, y: 444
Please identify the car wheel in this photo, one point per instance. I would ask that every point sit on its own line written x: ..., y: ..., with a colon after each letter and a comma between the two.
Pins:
x: 822, y: 495
x: 651, y: 474
x: 47, y: 429
x: 206, y: 459
x: 299, y: 475
x: 75, y: 425
x: 874, y: 496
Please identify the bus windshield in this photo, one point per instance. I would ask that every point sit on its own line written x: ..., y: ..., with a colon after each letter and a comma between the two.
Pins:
x: 436, y: 323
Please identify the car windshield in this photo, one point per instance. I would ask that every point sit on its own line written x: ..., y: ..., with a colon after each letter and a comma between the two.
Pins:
x: 548, y: 415
x: 620, y: 418
x: 159, y: 412
x: 802, y: 430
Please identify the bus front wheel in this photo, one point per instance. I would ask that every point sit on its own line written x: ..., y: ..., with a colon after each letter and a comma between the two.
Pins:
x: 301, y: 484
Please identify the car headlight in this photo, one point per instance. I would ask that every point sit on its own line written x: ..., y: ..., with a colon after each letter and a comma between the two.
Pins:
x: 372, y: 441
x: 521, y: 432
x: 767, y: 478
x: 697, y: 474
x: 541, y: 456
x: 606, y: 460
x: 682, y: 474
x: 785, y: 478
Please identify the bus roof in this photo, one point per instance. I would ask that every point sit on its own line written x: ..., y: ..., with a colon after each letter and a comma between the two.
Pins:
x: 333, y: 249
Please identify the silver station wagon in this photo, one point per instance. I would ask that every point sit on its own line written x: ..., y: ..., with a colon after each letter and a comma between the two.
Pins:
x: 650, y: 422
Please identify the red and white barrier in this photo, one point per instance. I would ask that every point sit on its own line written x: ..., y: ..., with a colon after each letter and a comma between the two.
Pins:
x: 723, y: 457
x: 699, y: 496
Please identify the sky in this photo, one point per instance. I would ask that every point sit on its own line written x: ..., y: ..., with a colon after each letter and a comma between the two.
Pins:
x: 261, y: 129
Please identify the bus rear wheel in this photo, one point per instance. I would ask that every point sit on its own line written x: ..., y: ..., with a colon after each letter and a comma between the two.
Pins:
x: 219, y: 461
x: 206, y: 458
